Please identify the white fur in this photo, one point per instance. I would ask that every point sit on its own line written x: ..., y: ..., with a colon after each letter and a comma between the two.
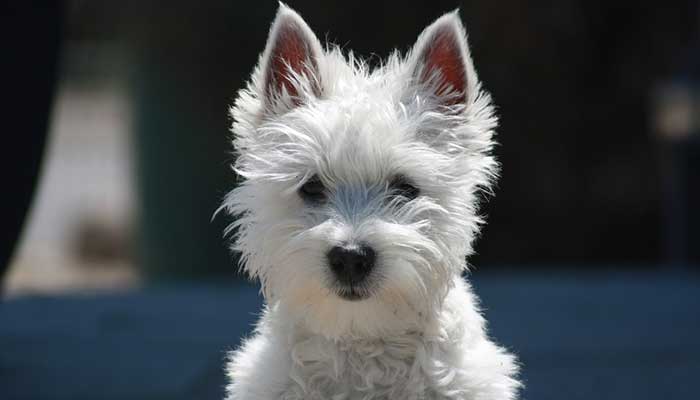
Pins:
x: 419, y: 333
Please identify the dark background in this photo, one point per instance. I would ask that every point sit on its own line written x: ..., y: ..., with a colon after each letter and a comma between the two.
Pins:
x: 586, y: 178
x: 583, y: 178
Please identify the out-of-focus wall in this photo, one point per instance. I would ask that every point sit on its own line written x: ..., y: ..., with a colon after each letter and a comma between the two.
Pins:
x: 80, y: 230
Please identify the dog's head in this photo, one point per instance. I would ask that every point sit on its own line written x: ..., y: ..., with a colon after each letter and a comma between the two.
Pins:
x: 359, y: 199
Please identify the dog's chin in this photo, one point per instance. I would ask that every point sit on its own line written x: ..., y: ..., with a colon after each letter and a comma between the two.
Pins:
x: 352, y: 293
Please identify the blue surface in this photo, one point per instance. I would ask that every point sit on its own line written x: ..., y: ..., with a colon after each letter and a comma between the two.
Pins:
x: 579, y: 336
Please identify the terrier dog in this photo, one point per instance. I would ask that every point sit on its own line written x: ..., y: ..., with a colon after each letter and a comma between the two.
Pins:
x: 357, y: 210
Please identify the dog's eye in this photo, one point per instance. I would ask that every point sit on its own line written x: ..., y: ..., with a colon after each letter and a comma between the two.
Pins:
x: 401, y: 186
x: 313, y: 190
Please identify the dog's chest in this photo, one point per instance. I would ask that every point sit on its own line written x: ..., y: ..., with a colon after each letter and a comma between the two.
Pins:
x: 359, y: 370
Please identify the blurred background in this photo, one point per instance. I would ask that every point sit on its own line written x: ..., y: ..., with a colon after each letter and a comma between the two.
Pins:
x: 117, y: 282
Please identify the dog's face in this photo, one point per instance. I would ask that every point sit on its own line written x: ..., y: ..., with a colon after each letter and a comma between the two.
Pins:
x: 358, y: 206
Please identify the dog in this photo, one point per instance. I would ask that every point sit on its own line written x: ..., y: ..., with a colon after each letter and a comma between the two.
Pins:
x: 356, y: 211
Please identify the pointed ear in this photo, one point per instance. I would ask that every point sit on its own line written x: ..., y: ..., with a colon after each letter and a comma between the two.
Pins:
x: 441, y: 62
x: 290, y: 61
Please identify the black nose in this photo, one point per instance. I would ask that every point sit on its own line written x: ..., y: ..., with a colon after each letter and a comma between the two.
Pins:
x: 351, y: 264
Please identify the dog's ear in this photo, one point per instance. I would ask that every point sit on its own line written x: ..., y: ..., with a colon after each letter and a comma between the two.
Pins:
x: 440, y: 63
x: 289, y: 64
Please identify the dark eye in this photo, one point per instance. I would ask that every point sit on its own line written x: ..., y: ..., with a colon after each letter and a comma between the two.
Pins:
x: 313, y: 190
x: 401, y: 186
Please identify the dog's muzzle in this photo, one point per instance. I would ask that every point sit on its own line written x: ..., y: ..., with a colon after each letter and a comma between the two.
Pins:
x: 351, y: 265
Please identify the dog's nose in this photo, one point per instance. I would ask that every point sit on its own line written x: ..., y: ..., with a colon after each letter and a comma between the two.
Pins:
x: 351, y: 264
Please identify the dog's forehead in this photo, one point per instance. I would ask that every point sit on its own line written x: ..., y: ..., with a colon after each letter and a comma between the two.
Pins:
x: 362, y: 135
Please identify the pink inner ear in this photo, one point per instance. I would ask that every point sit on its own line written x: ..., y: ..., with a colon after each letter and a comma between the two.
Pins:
x: 443, y: 53
x: 291, y: 52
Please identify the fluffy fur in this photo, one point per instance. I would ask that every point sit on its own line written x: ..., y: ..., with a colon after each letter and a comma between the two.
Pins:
x: 417, y: 333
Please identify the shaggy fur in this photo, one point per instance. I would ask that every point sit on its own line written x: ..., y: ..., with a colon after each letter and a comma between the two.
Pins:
x: 417, y: 332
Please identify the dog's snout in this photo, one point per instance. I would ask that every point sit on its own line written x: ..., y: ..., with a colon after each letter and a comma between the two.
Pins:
x: 351, y: 264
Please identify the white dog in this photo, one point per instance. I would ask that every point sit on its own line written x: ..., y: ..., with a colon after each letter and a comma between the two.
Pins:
x: 357, y: 212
